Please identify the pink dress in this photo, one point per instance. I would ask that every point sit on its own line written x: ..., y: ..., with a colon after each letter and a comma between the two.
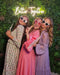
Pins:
x: 26, y: 63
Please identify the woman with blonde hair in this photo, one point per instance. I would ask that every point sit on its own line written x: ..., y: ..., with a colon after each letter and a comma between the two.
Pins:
x: 42, y: 48
x: 26, y: 63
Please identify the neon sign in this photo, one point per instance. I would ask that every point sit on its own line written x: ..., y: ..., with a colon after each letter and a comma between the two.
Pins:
x: 32, y: 10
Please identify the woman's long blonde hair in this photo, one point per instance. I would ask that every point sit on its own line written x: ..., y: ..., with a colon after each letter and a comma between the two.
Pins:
x: 50, y: 31
x: 33, y: 23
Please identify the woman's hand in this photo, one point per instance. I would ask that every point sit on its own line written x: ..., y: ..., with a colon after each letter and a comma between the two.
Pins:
x: 27, y: 30
x: 27, y: 33
x: 8, y: 33
x: 34, y: 45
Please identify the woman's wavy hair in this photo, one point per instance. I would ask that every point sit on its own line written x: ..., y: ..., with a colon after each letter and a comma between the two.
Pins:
x: 50, y: 31
x: 33, y: 23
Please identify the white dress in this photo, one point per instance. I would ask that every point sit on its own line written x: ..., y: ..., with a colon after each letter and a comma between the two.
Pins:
x: 12, y: 51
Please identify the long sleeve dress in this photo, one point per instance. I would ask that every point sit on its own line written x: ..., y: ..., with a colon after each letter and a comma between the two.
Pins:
x: 26, y: 63
x: 42, y: 61
x: 12, y: 51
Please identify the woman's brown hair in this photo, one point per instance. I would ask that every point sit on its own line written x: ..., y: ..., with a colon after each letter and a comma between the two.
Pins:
x: 19, y: 23
x: 24, y: 35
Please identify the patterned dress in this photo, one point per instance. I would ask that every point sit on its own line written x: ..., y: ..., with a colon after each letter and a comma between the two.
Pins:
x: 26, y: 63
x: 12, y: 51
x: 42, y: 61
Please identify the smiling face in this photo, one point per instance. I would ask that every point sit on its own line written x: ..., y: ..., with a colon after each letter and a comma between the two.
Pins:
x: 37, y: 23
x: 23, y: 20
x: 45, y: 23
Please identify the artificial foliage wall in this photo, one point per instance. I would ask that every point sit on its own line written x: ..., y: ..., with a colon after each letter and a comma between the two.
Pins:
x: 51, y: 9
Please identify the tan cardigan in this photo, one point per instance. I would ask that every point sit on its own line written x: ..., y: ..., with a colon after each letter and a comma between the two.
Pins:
x: 17, y: 34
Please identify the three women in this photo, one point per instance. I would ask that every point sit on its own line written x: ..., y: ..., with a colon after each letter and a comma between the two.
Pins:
x: 29, y: 63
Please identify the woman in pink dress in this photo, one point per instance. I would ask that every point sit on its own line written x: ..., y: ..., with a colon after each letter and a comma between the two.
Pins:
x: 26, y: 63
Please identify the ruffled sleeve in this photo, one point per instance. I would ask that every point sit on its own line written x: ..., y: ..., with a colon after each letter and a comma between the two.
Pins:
x: 42, y: 47
x: 33, y: 37
x: 19, y: 35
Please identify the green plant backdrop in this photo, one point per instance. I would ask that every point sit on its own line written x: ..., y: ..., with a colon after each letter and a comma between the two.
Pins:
x: 52, y: 9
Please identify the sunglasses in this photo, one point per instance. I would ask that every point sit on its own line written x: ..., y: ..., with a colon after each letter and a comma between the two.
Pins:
x: 25, y: 21
x: 36, y: 21
x: 45, y: 23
